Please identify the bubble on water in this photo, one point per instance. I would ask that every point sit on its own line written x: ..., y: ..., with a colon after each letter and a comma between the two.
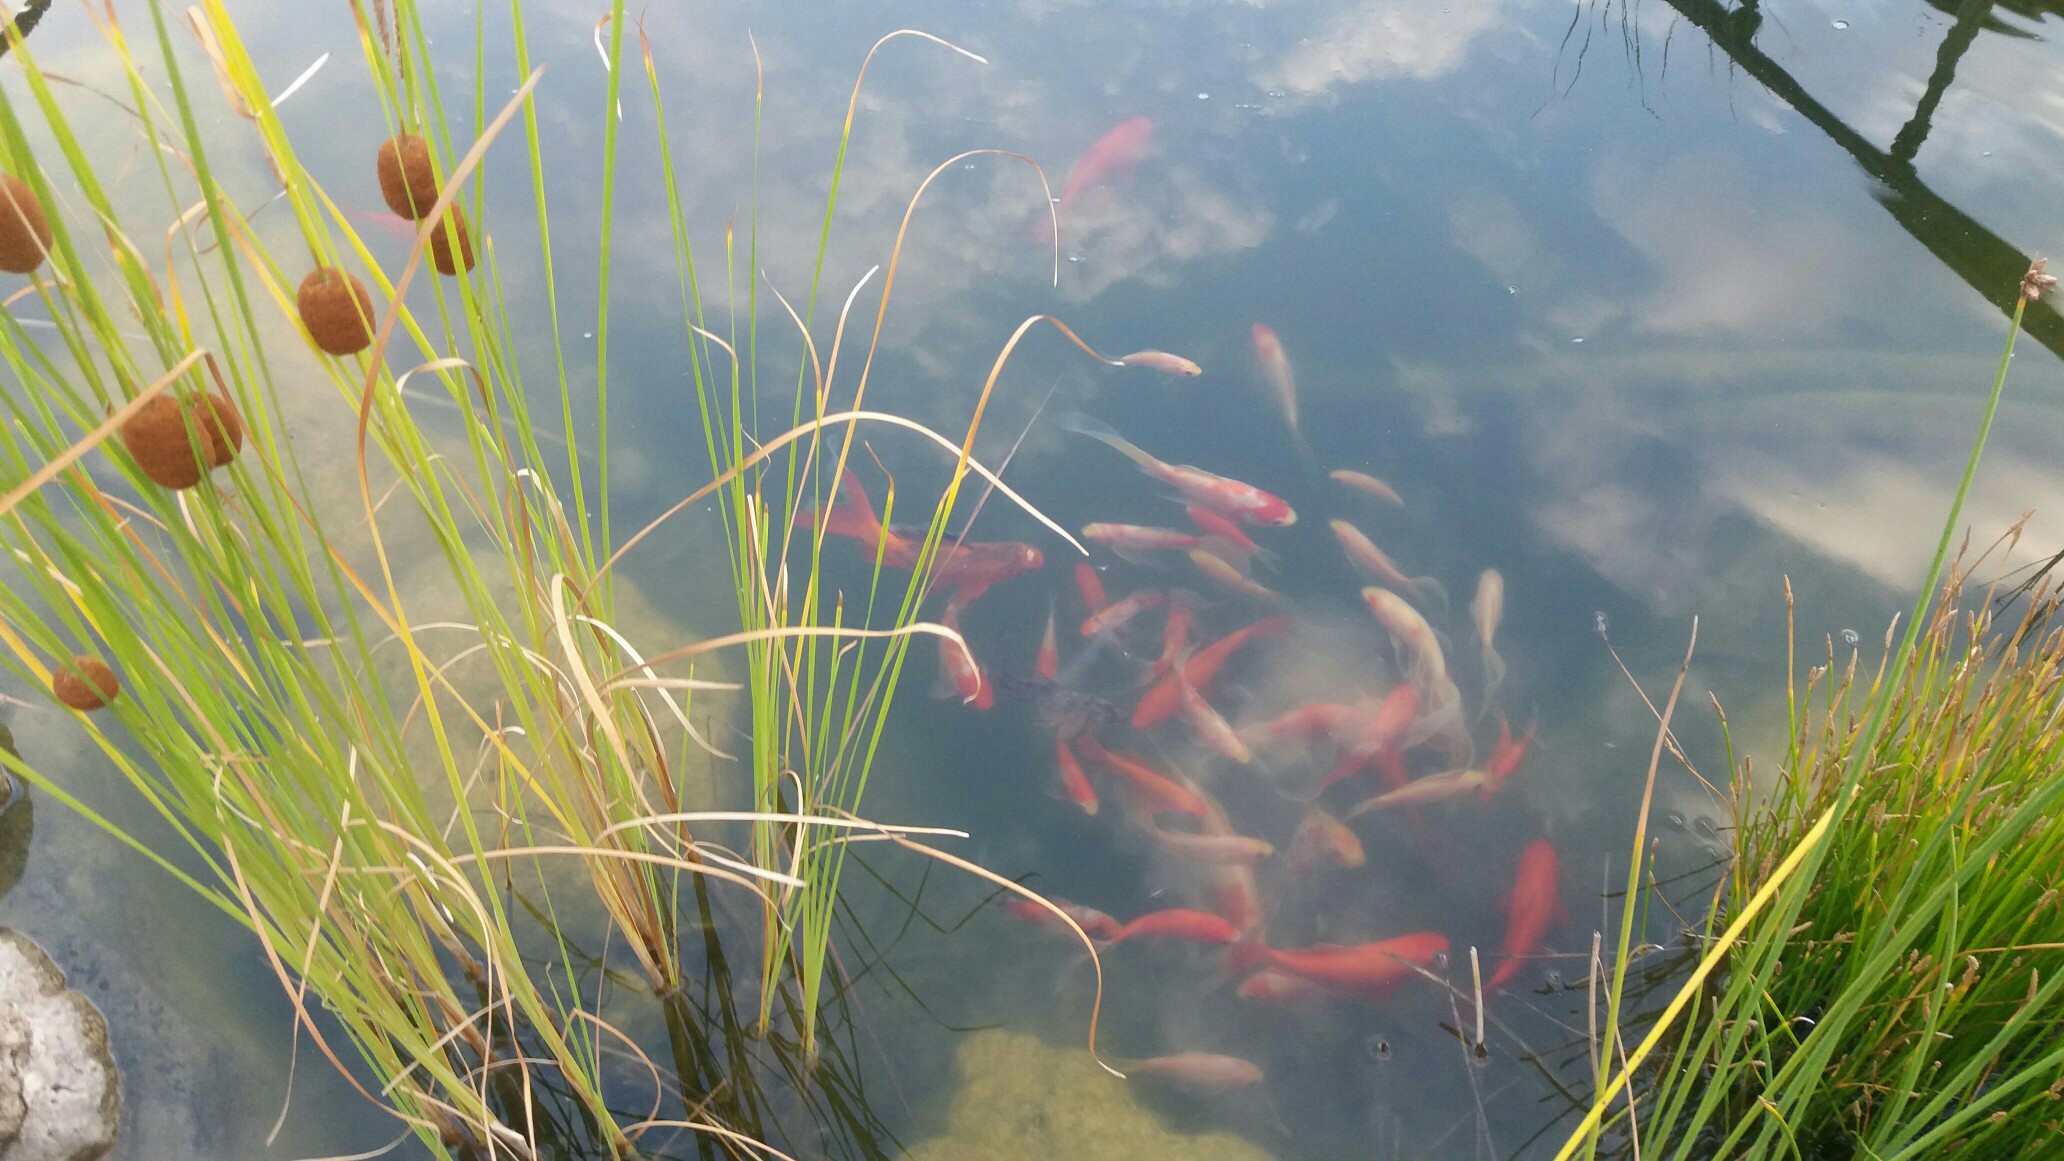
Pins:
x: 1578, y: 339
x: 1074, y: 257
x: 587, y: 334
x: 1850, y: 637
x: 1203, y: 96
x: 969, y: 165
x: 1554, y: 979
x: 1598, y: 618
x: 1512, y: 290
x: 1675, y: 820
x: 1377, y: 1047
x: 1840, y: 25
x: 1276, y: 93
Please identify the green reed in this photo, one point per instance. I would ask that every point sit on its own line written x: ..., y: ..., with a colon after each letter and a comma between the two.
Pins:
x: 1880, y: 977
x: 387, y: 698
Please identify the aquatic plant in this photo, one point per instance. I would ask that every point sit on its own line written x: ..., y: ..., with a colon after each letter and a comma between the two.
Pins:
x: 1881, y: 975
x: 390, y: 699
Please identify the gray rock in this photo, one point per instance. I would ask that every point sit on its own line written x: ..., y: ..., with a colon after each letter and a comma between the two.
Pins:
x: 59, y: 1094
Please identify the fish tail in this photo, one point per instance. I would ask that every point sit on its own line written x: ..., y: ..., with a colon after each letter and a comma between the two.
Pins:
x: 852, y: 516
x: 1431, y: 594
x: 1102, y: 432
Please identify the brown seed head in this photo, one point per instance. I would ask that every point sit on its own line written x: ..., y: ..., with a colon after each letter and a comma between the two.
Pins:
x: 440, y: 245
x: 177, y: 441
x: 84, y: 683
x: 24, y: 231
x: 336, y: 310
x: 408, y: 182
x: 2037, y: 280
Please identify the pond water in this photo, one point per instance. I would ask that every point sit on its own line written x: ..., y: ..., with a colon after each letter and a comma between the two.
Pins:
x: 1646, y: 306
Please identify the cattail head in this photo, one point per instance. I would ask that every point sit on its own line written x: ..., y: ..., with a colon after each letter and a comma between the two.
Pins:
x: 441, y: 254
x: 85, y: 683
x: 408, y: 182
x: 178, y: 441
x: 336, y: 310
x: 24, y: 231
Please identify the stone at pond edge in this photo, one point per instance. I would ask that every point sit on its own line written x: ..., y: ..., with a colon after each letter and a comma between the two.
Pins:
x: 59, y: 1092
x: 85, y: 683
x: 157, y: 437
x: 336, y: 310
x: 24, y: 231
x: 1019, y: 1098
x: 408, y: 182
x: 440, y: 245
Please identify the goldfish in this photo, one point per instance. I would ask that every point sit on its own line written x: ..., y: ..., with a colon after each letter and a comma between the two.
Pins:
x: 1074, y: 783
x: 1211, y: 524
x: 1529, y: 909
x: 1204, y: 1069
x: 1210, y: 725
x: 963, y: 675
x: 1487, y: 610
x: 1177, y: 923
x: 1276, y: 372
x: 1414, y: 638
x: 1201, y: 668
x: 1377, y: 738
x: 1370, y: 969
x: 1047, y: 663
x: 1091, y: 588
x: 1432, y: 788
x: 1161, y: 361
x: 1127, y: 540
x: 1228, y: 497
x: 1094, y: 923
x: 1109, y: 156
x: 1374, y: 564
x: 1506, y: 758
x: 1312, y: 719
x: 1273, y: 985
x: 1234, y: 892
x: 1157, y: 792
x: 1230, y: 849
x: 1364, y: 482
x: 1321, y: 836
x: 1218, y: 569
x: 1113, y: 616
x: 969, y: 567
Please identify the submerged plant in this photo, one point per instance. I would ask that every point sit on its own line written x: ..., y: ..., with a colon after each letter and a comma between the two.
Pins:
x: 431, y: 808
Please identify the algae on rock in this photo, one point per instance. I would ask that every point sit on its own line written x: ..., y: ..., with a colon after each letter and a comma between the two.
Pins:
x: 1022, y: 1098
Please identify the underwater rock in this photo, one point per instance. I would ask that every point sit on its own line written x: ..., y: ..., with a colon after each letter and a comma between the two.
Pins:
x: 59, y: 1094
x: 85, y: 683
x: 408, y: 182
x: 1021, y: 1098
x: 24, y: 231
x: 336, y: 310
x: 162, y: 436
x: 441, y: 255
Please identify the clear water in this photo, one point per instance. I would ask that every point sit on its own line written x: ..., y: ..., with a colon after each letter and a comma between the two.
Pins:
x: 1646, y: 306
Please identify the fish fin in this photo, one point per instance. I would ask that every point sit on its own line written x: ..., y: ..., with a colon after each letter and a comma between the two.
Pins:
x: 1431, y: 593
x: 1102, y: 432
x: 852, y: 515
x: 942, y: 686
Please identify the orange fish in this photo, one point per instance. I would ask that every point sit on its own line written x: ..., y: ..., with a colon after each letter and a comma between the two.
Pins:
x: 1113, y: 616
x: 1074, y: 783
x: 1161, y: 361
x: 1234, y: 892
x: 1529, y: 908
x: 1364, y: 482
x: 1276, y: 372
x: 1210, y: 725
x: 1112, y: 155
x: 969, y: 567
x: 1374, y: 564
x: 1275, y: 986
x: 1175, y: 636
x: 1324, y: 837
x: 1048, y: 661
x: 1157, y: 793
x: 1201, y: 668
x: 1094, y: 923
x: 1091, y: 586
x: 1505, y: 759
x: 1368, y: 969
x: 1203, y: 1069
x: 1313, y: 719
x: 1128, y: 539
x: 1231, y: 578
x: 1432, y: 788
x: 1211, y: 524
x: 1236, y: 850
x: 1228, y: 497
x: 1178, y: 923
x: 962, y: 673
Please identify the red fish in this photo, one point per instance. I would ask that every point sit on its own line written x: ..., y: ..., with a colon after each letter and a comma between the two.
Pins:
x: 1112, y: 155
x: 1203, y: 1069
x: 1163, y: 699
x: 1157, y: 793
x: 1048, y: 662
x: 1094, y: 923
x: 1074, y: 783
x: 1113, y: 616
x: 1368, y: 969
x: 1212, y: 524
x: 956, y: 665
x: 1505, y: 759
x: 970, y: 567
x: 1277, y: 986
x: 1235, y: 893
x: 1091, y: 586
x: 1178, y: 923
x: 1175, y: 636
x: 1529, y: 908
x: 1228, y: 497
x: 1314, y: 719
